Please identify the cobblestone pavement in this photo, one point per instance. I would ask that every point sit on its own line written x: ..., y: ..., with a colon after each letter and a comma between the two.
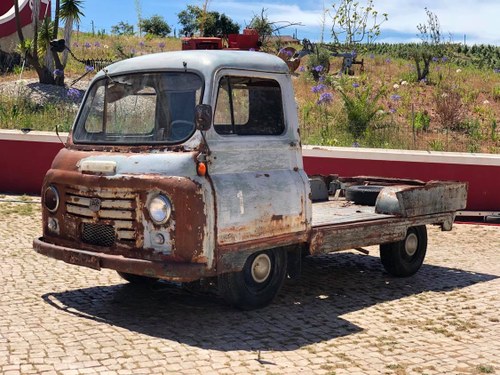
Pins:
x: 345, y: 316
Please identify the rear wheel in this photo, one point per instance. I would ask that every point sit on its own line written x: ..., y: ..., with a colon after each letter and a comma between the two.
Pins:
x: 258, y: 282
x: 137, y: 279
x: 404, y: 258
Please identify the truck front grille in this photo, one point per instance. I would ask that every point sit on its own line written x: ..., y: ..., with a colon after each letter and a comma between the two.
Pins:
x: 107, y: 215
x: 98, y: 234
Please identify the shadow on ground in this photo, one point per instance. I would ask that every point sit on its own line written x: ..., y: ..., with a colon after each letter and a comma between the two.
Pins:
x: 305, y: 312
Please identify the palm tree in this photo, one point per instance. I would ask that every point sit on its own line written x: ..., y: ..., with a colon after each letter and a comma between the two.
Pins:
x: 70, y: 12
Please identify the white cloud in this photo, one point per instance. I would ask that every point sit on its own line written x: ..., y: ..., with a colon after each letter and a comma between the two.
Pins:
x: 478, y: 19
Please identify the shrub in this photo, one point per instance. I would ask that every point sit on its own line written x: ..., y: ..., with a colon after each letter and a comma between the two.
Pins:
x: 495, y: 93
x: 318, y: 62
x: 449, y: 107
x: 361, y: 108
x: 422, y: 121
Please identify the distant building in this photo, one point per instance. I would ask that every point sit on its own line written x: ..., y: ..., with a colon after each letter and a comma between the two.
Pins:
x: 8, y: 31
x: 283, y: 39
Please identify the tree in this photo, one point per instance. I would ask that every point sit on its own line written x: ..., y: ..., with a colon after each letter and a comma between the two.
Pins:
x: 30, y: 48
x: 354, y: 23
x: 431, y: 46
x: 194, y: 19
x: 43, y: 34
x: 70, y: 12
x: 155, y: 25
x: 267, y: 28
x: 122, y: 28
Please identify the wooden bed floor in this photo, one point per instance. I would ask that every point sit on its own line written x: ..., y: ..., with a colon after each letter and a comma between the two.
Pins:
x: 340, y: 211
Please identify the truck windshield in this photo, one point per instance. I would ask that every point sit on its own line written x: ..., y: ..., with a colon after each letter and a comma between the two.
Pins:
x: 153, y: 108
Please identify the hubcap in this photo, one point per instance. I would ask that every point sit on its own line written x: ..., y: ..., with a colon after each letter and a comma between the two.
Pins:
x: 261, y: 268
x: 411, y: 244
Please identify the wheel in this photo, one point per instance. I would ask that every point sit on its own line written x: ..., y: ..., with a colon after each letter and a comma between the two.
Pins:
x: 363, y: 194
x: 137, y: 279
x: 257, y: 283
x: 404, y: 258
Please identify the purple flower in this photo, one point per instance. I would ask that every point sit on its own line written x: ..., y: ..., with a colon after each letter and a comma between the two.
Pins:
x: 355, y: 85
x: 97, y: 44
x: 318, y: 68
x: 444, y: 59
x: 435, y: 59
x: 388, y: 61
x: 372, y: 56
x: 89, y: 68
x: 423, y: 80
x: 75, y: 44
x: 395, y: 97
x: 133, y: 51
x: 392, y: 110
x: 161, y: 45
x: 322, y: 78
x: 73, y: 94
x: 325, y: 98
x: 141, y: 44
x: 496, y: 70
x: 317, y: 89
x: 87, y: 45
x: 355, y: 144
x: 301, y: 69
x: 58, y: 72
x: 286, y: 52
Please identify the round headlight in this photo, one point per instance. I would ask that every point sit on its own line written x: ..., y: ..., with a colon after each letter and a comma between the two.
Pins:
x: 160, y: 209
x: 51, y: 198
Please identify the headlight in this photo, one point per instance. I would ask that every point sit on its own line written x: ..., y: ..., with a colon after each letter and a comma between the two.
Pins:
x: 160, y: 209
x: 51, y: 198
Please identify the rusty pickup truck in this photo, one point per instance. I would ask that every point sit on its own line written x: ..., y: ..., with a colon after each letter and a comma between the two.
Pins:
x: 187, y: 166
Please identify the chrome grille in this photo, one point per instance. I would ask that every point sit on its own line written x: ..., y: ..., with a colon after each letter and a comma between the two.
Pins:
x: 98, y: 234
x: 106, y: 208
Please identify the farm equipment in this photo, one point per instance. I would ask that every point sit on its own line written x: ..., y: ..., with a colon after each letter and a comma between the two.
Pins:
x: 247, y: 41
x: 292, y: 57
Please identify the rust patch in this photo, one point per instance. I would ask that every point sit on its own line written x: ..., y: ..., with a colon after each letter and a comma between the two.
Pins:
x: 187, y: 235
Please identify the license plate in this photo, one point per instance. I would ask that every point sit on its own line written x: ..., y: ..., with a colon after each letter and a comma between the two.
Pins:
x: 86, y: 260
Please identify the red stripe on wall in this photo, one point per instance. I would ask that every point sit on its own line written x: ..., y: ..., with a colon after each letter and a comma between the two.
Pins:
x: 23, y: 165
x: 484, y: 181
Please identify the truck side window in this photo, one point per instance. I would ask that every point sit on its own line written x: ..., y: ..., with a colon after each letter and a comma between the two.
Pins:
x: 249, y: 106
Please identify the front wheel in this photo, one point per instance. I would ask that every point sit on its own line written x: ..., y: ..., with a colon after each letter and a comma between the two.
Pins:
x: 257, y: 283
x: 404, y: 258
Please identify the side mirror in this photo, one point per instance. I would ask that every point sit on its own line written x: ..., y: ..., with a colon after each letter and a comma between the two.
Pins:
x: 203, y: 116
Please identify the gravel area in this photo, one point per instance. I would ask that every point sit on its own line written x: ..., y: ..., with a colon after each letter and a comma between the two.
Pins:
x: 40, y: 93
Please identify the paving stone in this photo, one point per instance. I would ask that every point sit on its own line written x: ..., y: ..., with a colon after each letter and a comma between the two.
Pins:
x: 344, y: 316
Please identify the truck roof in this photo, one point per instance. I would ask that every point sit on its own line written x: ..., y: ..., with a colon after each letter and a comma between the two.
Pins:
x: 205, y: 61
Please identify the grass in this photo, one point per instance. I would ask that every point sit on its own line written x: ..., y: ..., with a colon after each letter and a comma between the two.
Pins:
x: 408, y: 117
x: 485, y: 369
x: 19, y: 209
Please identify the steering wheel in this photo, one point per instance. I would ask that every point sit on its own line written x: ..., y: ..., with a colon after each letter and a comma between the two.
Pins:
x: 181, y: 129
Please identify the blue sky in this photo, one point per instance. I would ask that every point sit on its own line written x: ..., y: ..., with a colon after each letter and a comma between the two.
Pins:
x: 478, y: 20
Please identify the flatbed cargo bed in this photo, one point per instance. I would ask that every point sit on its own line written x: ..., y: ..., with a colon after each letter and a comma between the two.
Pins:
x: 340, y: 224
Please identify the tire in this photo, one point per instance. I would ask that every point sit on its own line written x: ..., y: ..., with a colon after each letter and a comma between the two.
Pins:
x: 259, y: 281
x: 404, y: 258
x: 365, y: 195
x: 137, y: 279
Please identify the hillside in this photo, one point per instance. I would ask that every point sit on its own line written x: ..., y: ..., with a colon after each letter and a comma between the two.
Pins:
x: 456, y: 109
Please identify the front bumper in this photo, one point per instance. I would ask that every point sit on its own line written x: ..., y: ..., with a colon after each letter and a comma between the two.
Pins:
x: 174, y: 271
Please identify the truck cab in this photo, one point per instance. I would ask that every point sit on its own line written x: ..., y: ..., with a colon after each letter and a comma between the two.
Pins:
x: 187, y: 165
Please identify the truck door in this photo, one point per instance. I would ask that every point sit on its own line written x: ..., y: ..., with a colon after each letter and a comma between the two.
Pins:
x: 256, y: 163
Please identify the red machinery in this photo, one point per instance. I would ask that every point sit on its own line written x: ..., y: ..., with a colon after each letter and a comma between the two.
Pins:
x: 249, y: 40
